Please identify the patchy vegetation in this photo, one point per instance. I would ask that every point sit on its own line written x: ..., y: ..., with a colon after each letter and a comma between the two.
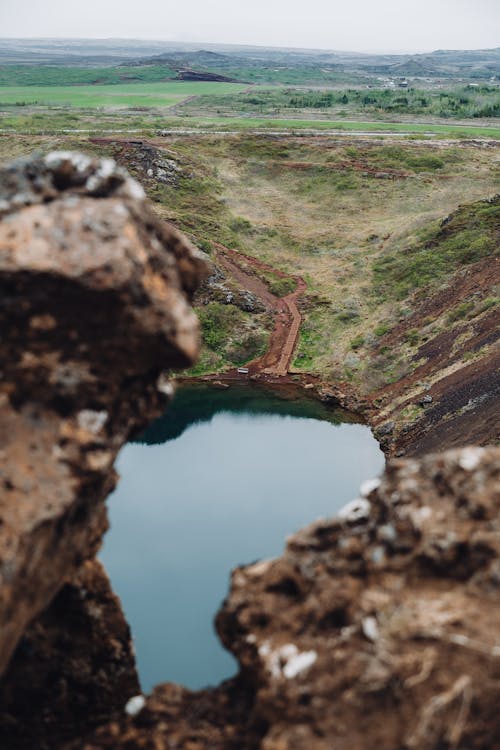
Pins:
x: 469, y: 234
x: 457, y: 102
x: 231, y: 334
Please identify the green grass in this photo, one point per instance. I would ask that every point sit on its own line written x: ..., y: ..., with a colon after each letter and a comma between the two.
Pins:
x: 381, y: 329
x: 460, y: 312
x: 282, y: 287
x: 230, y: 336
x: 59, y: 75
x: 469, y: 234
x: 399, y: 158
x: 312, y: 340
x: 119, y: 95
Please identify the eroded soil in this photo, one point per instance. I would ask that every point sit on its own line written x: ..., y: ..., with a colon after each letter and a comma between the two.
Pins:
x: 452, y: 392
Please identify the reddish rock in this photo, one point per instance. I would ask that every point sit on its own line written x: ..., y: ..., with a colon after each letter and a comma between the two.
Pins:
x: 366, y: 632
x: 73, y: 668
x: 94, y: 308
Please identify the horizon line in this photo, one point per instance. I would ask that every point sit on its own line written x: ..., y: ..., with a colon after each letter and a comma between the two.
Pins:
x: 330, y: 50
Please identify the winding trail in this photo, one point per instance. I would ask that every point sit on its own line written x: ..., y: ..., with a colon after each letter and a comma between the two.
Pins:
x: 245, y: 269
x: 284, y: 336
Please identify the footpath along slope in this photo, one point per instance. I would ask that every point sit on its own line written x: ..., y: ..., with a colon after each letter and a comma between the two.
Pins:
x: 276, y: 359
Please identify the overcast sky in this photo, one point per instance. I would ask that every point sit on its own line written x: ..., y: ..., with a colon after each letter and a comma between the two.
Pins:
x: 359, y: 25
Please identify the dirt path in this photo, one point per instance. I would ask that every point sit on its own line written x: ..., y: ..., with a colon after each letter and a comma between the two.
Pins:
x: 245, y: 269
x: 276, y: 360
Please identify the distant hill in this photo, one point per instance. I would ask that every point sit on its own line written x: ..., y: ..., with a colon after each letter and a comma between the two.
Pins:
x: 219, y: 57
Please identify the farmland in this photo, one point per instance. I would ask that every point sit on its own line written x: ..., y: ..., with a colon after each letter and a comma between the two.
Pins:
x: 160, y: 94
x: 276, y: 90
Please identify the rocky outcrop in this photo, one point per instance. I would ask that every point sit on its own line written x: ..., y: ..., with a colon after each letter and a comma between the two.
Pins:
x: 73, y: 669
x: 378, y: 628
x: 204, y: 75
x: 94, y: 309
x: 151, y: 164
x: 218, y: 287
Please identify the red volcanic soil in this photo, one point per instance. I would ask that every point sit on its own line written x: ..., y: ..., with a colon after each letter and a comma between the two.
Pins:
x: 465, y: 398
x: 276, y: 360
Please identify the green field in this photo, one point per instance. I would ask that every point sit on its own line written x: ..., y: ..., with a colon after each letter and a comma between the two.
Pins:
x: 135, y: 99
x: 163, y: 94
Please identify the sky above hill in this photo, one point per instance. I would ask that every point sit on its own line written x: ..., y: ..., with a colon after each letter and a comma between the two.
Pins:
x: 356, y: 25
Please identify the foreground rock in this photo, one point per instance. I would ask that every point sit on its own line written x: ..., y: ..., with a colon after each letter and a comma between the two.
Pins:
x: 94, y: 308
x: 73, y: 668
x: 379, y: 628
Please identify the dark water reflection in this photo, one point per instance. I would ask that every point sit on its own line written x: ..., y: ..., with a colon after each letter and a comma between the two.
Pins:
x: 240, y: 469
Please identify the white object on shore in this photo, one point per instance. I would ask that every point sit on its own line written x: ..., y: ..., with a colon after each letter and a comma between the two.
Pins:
x: 135, y: 705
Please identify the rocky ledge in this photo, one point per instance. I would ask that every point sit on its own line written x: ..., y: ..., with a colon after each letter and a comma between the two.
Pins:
x: 94, y: 309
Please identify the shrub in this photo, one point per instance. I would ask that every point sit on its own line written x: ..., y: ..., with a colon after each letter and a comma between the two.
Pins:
x: 357, y: 341
x: 460, y: 311
x: 250, y: 347
x: 239, y: 224
x: 282, y: 287
x: 216, y: 321
x: 412, y: 336
x: 381, y: 329
x: 487, y: 304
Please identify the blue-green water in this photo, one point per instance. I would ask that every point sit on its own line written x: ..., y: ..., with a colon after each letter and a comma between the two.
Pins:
x: 223, y: 478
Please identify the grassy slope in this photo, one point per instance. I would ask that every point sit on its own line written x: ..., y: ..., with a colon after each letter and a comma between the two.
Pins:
x: 471, y: 233
x: 358, y: 219
x: 54, y: 75
x: 329, y: 210
x: 446, y: 344
x: 402, y: 300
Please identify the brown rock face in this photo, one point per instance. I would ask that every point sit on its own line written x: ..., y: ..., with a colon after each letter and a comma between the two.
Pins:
x: 376, y: 629
x: 73, y: 668
x: 94, y: 309
x: 368, y: 626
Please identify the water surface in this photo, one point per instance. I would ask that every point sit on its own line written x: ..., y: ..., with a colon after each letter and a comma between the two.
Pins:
x: 221, y: 480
